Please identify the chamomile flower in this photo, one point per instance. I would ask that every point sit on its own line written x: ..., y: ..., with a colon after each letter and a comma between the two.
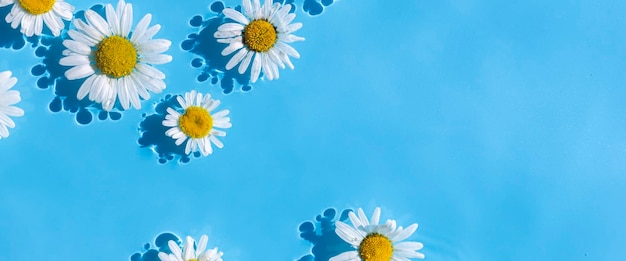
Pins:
x: 189, y: 253
x: 116, y: 62
x: 259, y: 35
x: 7, y: 99
x: 33, y: 14
x: 374, y: 242
x: 197, y: 124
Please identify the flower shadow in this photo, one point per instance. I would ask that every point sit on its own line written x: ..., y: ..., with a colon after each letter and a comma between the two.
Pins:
x: 315, y: 7
x: 12, y: 38
x: 52, y: 74
x: 153, y: 133
x: 326, y: 243
x: 212, y: 62
x: 152, y: 254
x: 311, y: 7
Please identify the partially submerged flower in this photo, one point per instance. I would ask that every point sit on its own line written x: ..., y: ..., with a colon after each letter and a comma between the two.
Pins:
x: 7, y: 99
x: 188, y: 253
x: 33, y: 14
x: 374, y: 242
x: 118, y: 64
x: 260, y: 35
x: 197, y: 125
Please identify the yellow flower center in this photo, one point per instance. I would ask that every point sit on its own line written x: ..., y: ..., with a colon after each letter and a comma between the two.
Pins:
x: 196, y: 122
x: 116, y: 56
x: 37, y: 7
x: 259, y: 36
x: 376, y: 247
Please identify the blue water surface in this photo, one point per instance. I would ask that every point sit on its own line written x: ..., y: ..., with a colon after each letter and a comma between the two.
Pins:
x: 498, y: 126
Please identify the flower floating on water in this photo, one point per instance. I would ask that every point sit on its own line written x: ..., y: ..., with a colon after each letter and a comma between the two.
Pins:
x: 189, y: 253
x: 118, y: 66
x: 33, y: 14
x: 260, y: 35
x: 196, y: 124
x: 374, y: 242
x: 7, y: 99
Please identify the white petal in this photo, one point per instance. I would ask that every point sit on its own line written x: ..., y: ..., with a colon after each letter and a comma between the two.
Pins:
x: 230, y: 27
x: 287, y: 49
x: 6, y: 121
x: 85, y: 87
x: 226, y: 34
x: 175, y: 249
x: 188, y: 252
x: 63, y: 10
x: 141, y: 27
x: 404, y: 234
x: 82, y: 38
x: 236, y: 58
x: 229, y: 40
x: 201, y: 245
x: 409, y: 246
x: 375, y: 216
x: 77, y: 47
x: 235, y: 15
x: 149, y: 71
x: 217, y: 142
x: 346, y: 256
x: 79, y: 72
x: 13, y: 111
x: 232, y: 47
x: 74, y: 60
x: 348, y: 234
x: 97, y: 22
x: 113, y: 20
x: 88, y: 30
x: 126, y: 20
x: 245, y: 63
x: 154, y: 46
x: 256, y: 68
x: 156, y: 58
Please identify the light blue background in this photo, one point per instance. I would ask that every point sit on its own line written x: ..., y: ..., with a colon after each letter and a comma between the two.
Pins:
x: 497, y: 126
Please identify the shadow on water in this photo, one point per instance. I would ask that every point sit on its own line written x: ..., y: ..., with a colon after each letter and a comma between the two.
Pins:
x: 12, y: 38
x: 153, y: 133
x: 321, y: 233
x: 151, y: 254
x: 52, y: 74
x: 211, y: 61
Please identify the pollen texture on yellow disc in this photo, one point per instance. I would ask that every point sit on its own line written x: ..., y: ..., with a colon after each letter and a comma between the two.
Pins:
x: 196, y: 122
x: 37, y: 7
x: 116, y: 56
x: 376, y: 247
x: 259, y: 36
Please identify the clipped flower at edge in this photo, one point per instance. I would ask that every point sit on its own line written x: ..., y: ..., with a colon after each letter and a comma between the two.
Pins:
x: 188, y: 252
x: 7, y: 99
x: 374, y: 242
x: 196, y: 124
x: 33, y: 14
x: 117, y: 66
x: 260, y: 36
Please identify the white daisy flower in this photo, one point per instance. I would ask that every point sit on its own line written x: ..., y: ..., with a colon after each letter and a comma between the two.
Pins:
x: 374, y: 242
x: 7, y: 99
x: 117, y: 66
x: 263, y: 32
x: 189, y: 254
x: 196, y: 124
x: 33, y: 14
